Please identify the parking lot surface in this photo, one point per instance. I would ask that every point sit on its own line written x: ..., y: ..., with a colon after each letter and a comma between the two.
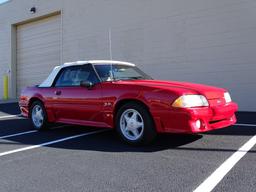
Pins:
x: 75, y: 158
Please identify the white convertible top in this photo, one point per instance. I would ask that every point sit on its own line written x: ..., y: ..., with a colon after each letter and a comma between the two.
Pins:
x: 49, y: 81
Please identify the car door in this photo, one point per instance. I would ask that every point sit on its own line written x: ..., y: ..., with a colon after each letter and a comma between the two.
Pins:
x: 74, y: 103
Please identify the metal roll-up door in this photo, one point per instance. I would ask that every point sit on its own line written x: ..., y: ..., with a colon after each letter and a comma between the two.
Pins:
x: 38, y: 50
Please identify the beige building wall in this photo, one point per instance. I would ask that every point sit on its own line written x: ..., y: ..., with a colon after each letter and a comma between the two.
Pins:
x: 203, y: 41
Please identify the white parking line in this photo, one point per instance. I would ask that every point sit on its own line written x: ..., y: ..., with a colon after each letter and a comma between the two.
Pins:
x: 18, y: 134
x: 246, y: 125
x: 10, y: 116
x: 50, y: 143
x: 210, y: 183
x: 28, y: 132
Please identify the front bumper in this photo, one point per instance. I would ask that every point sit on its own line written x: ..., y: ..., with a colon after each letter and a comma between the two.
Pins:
x: 186, y: 120
x: 24, y: 109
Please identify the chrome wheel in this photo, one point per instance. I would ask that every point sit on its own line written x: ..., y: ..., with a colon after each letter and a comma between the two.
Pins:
x: 131, y: 124
x: 37, y: 116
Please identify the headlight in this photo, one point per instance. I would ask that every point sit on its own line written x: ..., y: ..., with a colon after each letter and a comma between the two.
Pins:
x: 227, y: 97
x: 186, y: 101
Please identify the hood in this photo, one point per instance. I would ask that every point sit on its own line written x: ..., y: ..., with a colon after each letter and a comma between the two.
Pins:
x: 209, y: 92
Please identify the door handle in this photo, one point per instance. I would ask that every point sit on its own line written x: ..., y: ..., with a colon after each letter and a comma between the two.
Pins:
x: 57, y: 92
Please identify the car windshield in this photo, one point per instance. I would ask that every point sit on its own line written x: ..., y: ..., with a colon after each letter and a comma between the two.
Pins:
x: 120, y: 72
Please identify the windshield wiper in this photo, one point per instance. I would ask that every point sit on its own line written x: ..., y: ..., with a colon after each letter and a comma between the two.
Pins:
x: 138, y: 77
x: 129, y: 78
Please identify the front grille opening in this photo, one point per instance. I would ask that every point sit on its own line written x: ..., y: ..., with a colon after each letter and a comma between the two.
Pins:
x: 217, y: 121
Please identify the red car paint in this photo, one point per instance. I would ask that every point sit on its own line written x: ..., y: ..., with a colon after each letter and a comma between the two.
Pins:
x: 97, y: 106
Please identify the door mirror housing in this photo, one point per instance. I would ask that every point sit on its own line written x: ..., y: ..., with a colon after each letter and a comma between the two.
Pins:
x: 87, y: 84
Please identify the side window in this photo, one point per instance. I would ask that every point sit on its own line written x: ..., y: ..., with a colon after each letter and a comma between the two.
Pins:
x: 104, y: 71
x: 72, y: 76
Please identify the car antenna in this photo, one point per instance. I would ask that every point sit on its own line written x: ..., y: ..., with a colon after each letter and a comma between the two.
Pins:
x: 110, y: 53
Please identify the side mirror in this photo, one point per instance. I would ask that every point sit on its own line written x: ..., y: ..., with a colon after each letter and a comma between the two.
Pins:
x: 87, y: 84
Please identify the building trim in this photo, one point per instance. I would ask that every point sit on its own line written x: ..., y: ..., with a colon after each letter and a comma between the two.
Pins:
x: 55, y: 13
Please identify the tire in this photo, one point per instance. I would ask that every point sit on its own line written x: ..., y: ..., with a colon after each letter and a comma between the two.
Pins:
x: 135, y: 124
x: 38, y: 116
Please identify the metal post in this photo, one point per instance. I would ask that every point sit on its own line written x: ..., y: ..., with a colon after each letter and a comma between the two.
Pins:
x: 5, y: 80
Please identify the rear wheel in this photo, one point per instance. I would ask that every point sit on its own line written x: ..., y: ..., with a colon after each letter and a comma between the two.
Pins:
x: 38, y: 115
x: 135, y: 124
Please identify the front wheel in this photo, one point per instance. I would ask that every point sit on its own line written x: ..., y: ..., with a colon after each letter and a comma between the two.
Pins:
x: 135, y: 124
x: 38, y: 116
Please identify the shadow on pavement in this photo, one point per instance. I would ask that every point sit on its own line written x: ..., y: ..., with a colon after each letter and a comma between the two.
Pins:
x: 246, y: 117
x: 234, y: 130
x: 109, y: 141
x: 106, y: 141
x: 9, y: 109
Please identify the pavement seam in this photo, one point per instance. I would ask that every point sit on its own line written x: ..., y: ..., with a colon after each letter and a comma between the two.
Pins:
x: 246, y: 125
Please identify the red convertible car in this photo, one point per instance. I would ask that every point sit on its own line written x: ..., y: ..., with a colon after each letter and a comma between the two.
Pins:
x: 115, y: 94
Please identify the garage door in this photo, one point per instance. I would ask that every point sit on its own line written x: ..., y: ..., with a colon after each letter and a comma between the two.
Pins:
x: 38, y: 50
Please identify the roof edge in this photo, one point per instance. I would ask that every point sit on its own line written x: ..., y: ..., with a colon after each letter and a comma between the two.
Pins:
x: 97, y: 62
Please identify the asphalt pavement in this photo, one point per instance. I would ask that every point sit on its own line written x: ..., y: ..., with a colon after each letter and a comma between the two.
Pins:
x: 75, y: 158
